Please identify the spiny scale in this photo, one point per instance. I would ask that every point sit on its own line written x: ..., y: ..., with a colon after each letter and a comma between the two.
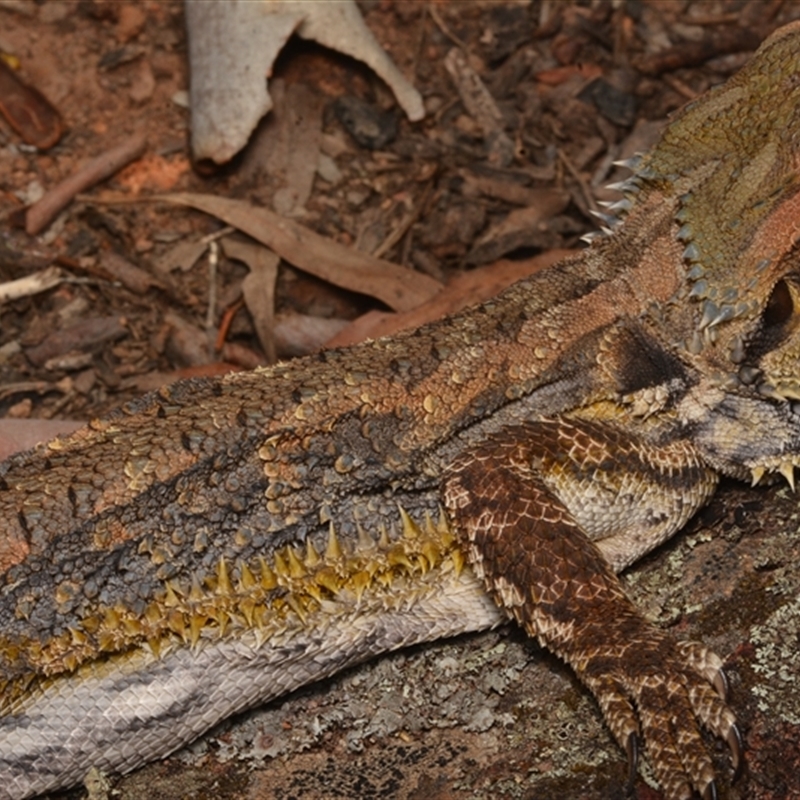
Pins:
x: 297, y: 585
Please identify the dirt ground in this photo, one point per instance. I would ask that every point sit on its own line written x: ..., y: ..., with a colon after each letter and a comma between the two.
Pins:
x: 145, y: 292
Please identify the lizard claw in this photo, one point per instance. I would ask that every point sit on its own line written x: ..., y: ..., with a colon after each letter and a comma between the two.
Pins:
x: 632, y: 749
x: 710, y: 792
x: 736, y: 746
x: 721, y: 684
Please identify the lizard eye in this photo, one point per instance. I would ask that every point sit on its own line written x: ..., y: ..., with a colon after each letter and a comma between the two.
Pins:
x: 780, y: 305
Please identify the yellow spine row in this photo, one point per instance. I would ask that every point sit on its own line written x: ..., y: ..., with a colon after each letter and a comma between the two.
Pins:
x: 295, y: 589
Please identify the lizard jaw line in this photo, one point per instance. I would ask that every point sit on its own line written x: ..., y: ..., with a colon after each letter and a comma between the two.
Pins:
x: 784, y: 468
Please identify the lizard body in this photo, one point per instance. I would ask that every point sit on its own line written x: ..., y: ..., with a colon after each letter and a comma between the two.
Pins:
x: 220, y: 542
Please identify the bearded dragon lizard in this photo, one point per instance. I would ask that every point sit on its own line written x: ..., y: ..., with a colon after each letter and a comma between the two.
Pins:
x: 221, y: 542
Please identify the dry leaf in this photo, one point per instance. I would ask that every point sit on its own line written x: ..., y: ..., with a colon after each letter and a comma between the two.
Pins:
x: 258, y: 288
x: 232, y: 47
x: 183, y: 256
x: 398, y: 287
x: 84, y: 336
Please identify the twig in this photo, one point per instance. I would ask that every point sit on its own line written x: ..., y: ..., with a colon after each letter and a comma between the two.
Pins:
x: 680, y: 87
x: 440, y: 24
x: 225, y: 323
x: 481, y: 106
x: 44, y: 211
x: 591, y: 204
x: 403, y: 226
x: 31, y: 284
x: 211, y: 311
x: 215, y: 235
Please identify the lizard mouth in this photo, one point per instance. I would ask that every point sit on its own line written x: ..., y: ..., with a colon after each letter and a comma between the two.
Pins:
x: 781, y: 465
x: 782, y: 389
x: 785, y: 391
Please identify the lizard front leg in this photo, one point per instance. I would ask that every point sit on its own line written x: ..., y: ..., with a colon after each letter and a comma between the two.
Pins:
x: 527, y: 504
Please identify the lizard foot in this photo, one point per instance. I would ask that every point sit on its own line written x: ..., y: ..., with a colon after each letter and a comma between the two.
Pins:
x: 663, y: 692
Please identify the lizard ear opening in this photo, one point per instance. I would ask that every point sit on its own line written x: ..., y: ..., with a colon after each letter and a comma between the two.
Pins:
x: 780, y: 305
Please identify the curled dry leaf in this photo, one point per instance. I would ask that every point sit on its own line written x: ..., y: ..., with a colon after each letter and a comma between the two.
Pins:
x: 28, y: 111
x: 232, y: 47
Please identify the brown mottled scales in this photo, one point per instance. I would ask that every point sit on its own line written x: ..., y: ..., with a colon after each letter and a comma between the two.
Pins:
x: 221, y: 542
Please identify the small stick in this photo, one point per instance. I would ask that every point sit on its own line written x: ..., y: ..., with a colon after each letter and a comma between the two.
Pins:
x: 44, y: 211
x: 225, y: 324
x: 405, y: 224
x: 213, y: 261
x: 31, y: 284
x: 591, y: 204
x: 440, y: 24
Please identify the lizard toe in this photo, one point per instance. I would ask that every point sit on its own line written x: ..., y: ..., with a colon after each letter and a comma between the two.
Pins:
x: 710, y: 705
x: 619, y: 714
x: 671, y: 732
x: 704, y: 662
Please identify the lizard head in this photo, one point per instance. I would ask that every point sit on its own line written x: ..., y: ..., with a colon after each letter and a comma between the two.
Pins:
x: 731, y: 163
